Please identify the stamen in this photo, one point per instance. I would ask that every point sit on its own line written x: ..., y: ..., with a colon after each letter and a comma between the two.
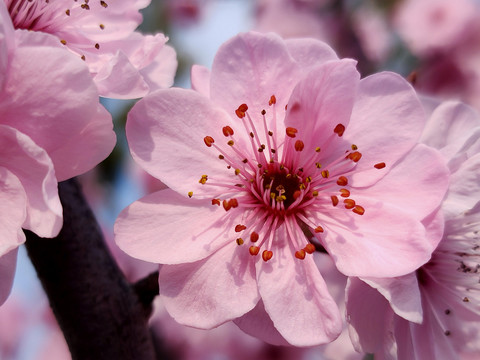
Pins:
x: 310, y: 248
x: 239, y: 241
x: 349, y: 204
x: 344, y: 193
x: 203, y: 179
x: 339, y: 129
x: 254, y: 250
x: 267, y: 255
x: 342, y: 181
x: 273, y: 100
x: 318, y: 229
x: 208, y: 141
x: 190, y: 194
x: 358, y: 210
x: 216, y: 202
x: 240, y: 112
x: 227, y: 131
x: 240, y: 227
x: 379, y: 165
x: 299, y: 145
x: 291, y: 132
x: 334, y: 200
x: 300, y: 254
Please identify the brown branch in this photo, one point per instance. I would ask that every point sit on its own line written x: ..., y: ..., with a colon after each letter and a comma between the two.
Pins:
x: 100, y: 314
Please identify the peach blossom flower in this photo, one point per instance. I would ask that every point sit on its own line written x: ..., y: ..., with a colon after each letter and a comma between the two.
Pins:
x: 281, y: 139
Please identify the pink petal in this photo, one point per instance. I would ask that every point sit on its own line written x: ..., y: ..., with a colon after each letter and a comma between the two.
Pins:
x: 448, y: 127
x: 417, y: 185
x: 323, y: 99
x: 55, y: 89
x: 296, y: 297
x: 250, y: 68
x: 384, y: 242
x: 32, y: 166
x: 120, y: 79
x: 160, y: 72
x: 309, y: 53
x: 402, y: 293
x: 464, y: 191
x: 87, y: 148
x: 166, y: 228
x: 6, y: 41
x: 258, y: 324
x: 368, y: 315
x: 8, y: 264
x: 201, y: 80
x: 386, y: 123
x: 209, y: 292
x: 166, y: 130
x: 13, y: 204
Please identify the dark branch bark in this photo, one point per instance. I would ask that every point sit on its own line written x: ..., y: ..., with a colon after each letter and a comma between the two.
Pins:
x: 100, y: 314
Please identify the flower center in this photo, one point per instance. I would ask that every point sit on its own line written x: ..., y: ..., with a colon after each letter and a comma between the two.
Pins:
x: 278, y: 180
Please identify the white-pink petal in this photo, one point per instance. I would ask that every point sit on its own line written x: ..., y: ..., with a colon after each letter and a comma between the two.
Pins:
x: 209, y: 292
x: 167, y: 228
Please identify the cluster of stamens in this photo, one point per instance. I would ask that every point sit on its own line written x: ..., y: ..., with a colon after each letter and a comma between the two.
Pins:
x: 48, y: 16
x: 276, y: 182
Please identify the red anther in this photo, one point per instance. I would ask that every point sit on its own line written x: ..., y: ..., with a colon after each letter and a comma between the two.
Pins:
x: 208, y: 140
x: 216, y: 202
x: 226, y: 205
x: 239, y: 241
x: 344, y: 193
x: 240, y: 227
x: 273, y: 100
x: 254, y: 250
x: 291, y: 132
x: 342, y: 181
x: 254, y: 236
x: 299, y: 145
x: 379, y: 165
x: 339, y: 129
x: 233, y: 203
x: 300, y: 254
x: 358, y: 210
x: 241, y: 111
x: 267, y: 255
x: 334, y: 200
x: 227, y: 131
x: 310, y: 248
x: 318, y: 229
x: 296, y: 194
x: 355, y: 156
x: 349, y: 203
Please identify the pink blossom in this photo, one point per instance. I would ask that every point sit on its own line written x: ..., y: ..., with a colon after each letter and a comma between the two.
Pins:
x: 434, y: 312
x: 429, y: 26
x: 249, y: 174
x: 124, y: 63
x: 52, y: 128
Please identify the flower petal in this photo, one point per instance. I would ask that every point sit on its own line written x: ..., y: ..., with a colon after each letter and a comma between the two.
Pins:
x: 402, y: 293
x: 86, y: 148
x: 209, y: 292
x: 160, y: 73
x: 417, y: 184
x: 309, y: 53
x: 165, y: 132
x: 386, y: 123
x: 13, y: 204
x: 166, y: 228
x: 369, y: 316
x: 250, y: 68
x: 384, y: 242
x: 200, y: 76
x: 323, y: 99
x: 258, y: 324
x: 296, y: 296
x: 8, y: 264
x: 32, y: 166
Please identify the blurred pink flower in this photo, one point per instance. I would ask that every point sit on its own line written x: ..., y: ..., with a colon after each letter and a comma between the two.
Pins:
x: 330, y: 165
x: 52, y: 127
x: 429, y: 26
x: 434, y: 312
x: 124, y: 63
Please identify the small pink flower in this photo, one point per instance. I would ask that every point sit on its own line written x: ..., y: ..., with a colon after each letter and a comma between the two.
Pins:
x: 124, y: 63
x: 52, y: 127
x: 434, y: 312
x: 281, y: 139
